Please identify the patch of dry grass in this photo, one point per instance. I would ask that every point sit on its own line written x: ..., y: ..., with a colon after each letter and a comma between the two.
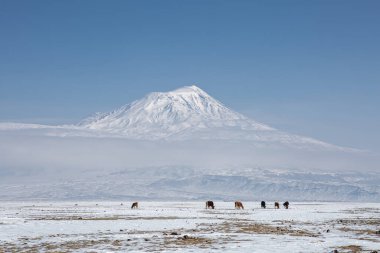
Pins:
x: 359, y: 231
x: 71, y: 218
x: 267, y: 229
x: 232, y: 227
x: 351, y: 249
x: 185, y: 241
x: 68, y: 246
x: 358, y: 222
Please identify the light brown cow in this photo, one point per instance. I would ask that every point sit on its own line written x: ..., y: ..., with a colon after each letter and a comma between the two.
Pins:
x: 239, y: 205
x: 276, y: 205
x: 210, y: 204
x: 135, y: 205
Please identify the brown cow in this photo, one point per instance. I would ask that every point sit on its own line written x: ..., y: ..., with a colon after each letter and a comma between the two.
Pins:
x: 210, y: 204
x: 286, y: 204
x: 276, y: 205
x: 239, y: 205
x: 135, y: 205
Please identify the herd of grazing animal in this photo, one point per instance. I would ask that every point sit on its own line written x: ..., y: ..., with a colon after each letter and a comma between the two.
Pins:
x: 238, y: 205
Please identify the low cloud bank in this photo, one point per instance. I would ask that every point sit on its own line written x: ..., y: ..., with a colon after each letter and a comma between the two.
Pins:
x: 25, y: 154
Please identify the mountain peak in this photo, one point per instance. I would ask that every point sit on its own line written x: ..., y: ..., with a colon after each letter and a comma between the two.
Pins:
x: 185, y: 93
x: 189, y: 89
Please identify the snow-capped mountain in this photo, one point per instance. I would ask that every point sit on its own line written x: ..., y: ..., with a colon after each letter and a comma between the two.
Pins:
x: 161, y: 114
x: 188, y: 113
x: 181, y: 144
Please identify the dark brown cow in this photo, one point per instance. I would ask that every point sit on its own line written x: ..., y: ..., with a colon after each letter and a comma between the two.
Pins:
x: 276, y: 205
x: 239, y: 205
x: 210, y: 204
x: 286, y: 204
x: 263, y: 205
x: 135, y: 205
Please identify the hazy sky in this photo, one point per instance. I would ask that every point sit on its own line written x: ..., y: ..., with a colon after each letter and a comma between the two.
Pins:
x: 307, y: 67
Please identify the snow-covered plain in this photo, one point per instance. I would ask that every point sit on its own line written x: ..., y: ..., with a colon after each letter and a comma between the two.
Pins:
x: 188, y: 227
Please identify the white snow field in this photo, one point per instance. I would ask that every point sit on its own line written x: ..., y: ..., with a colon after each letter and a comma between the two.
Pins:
x: 188, y: 227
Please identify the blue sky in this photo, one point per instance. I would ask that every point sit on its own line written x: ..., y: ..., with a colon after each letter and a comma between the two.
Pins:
x: 307, y: 67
